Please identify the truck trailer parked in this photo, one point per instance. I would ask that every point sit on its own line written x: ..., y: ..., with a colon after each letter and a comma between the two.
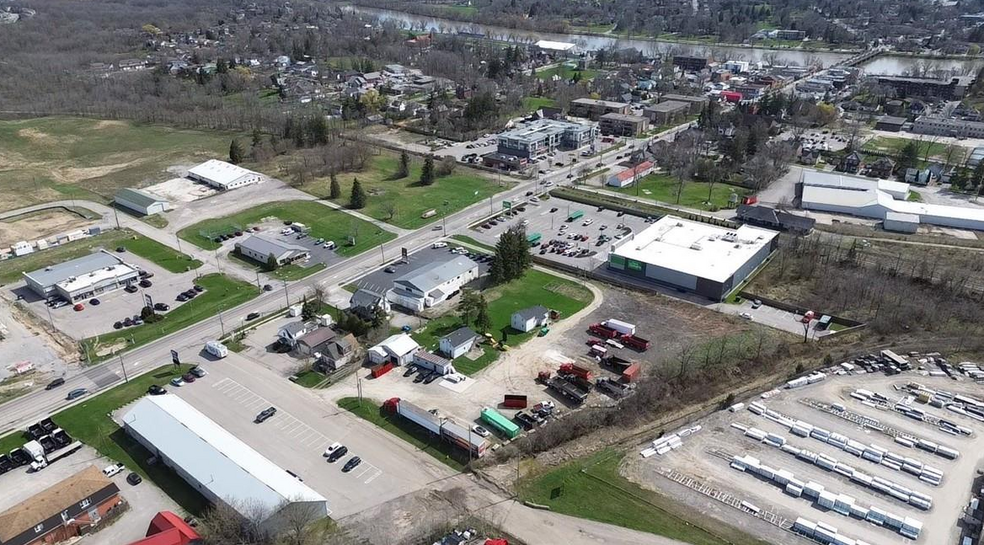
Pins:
x: 636, y: 342
x: 624, y: 328
x: 495, y: 419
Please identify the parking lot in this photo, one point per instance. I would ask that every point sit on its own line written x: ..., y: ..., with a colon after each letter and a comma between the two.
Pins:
x: 773, y: 317
x: 549, y: 218
x: 275, y: 230
x: 113, y: 306
x: 380, y: 281
x: 701, y: 464
x: 295, y: 438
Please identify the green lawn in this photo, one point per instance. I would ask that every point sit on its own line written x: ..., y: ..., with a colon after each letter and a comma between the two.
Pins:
x: 458, y: 10
x: 221, y: 293
x: 90, y: 423
x: 408, y: 431
x: 13, y: 440
x: 663, y: 188
x: 914, y: 196
x: 155, y: 220
x: 310, y: 378
x: 57, y: 158
x: 592, y: 488
x: 596, y: 28
x: 469, y: 240
x: 535, y: 103
x: 927, y: 148
x: 536, y: 287
x: 566, y: 73
x: 401, y: 202
x: 325, y: 222
x: 11, y: 269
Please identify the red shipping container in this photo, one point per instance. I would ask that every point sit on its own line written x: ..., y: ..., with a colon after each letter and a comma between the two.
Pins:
x: 514, y: 401
x: 381, y: 369
x: 571, y: 369
x: 631, y: 373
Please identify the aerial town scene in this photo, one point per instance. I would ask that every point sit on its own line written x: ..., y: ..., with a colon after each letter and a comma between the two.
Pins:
x: 489, y: 272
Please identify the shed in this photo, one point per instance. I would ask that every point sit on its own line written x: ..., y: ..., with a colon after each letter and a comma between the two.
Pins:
x: 140, y: 202
x: 458, y: 342
x: 398, y: 349
x: 889, y: 123
x: 426, y: 360
x: 901, y: 223
x: 530, y: 318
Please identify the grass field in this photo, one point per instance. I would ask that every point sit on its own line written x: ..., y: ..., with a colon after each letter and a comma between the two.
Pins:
x: 592, y: 488
x: 324, y: 222
x: 535, y: 103
x: 535, y: 288
x: 566, y: 73
x: 90, y: 423
x: 663, y: 188
x: 405, y: 198
x: 155, y: 220
x: 58, y: 158
x: 10, y: 270
x: 405, y: 430
x: 221, y: 293
x: 927, y: 148
x: 469, y: 240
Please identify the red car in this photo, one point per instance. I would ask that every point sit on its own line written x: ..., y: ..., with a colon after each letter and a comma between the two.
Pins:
x: 188, y: 377
x: 79, y: 307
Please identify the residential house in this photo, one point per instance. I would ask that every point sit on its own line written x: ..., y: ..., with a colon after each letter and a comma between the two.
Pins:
x: 809, y: 156
x: 397, y: 349
x: 365, y: 303
x: 292, y: 332
x: 883, y: 167
x: 530, y: 318
x: 917, y: 176
x: 851, y: 163
x: 314, y: 341
x: 458, y: 342
x: 337, y: 353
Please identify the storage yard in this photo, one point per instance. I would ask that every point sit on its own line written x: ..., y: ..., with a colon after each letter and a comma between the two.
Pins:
x: 864, y: 453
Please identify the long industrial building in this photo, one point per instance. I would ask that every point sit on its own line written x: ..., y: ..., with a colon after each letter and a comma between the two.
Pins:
x: 880, y: 199
x: 223, y: 175
x: 219, y: 465
x: 692, y: 256
x: 82, y: 278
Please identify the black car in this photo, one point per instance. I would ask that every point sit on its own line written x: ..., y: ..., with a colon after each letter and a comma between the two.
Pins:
x: 117, y: 325
x: 181, y: 297
x: 55, y: 383
x: 252, y: 315
x: 410, y: 370
x: 146, y: 274
x: 390, y: 270
x: 94, y: 301
x: 146, y: 283
x: 120, y: 249
x: 431, y: 377
x: 130, y: 288
x: 337, y: 454
x: 420, y: 376
x: 552, y: 210
x: 128, y: 322
x: 351, y: 464
x: 267, y: 287
x: 134, y: 479
x: 161, y: 307
x: 156, y: 390
x: 265, y: 414
x: 198, y: 288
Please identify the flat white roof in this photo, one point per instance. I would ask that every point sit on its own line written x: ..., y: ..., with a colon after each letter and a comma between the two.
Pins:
x: 399, y: 344
x: 842, y: 181
x: 906, y: 218
x: 218, y: 460
x: 556, y: 46
x: 219, y: 172
x: 694, y: 248
x: 75, y: 283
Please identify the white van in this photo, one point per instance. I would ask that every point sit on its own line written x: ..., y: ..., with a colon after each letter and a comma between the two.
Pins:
x: 216, y: 349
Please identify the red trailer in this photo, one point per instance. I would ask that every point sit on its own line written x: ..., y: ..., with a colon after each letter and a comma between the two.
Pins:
x: 571, y: 369
x: 636, y: 342
x: 381, y: 369
x: 631, y: 373
x: 603, y: 331
x: 514, y: 401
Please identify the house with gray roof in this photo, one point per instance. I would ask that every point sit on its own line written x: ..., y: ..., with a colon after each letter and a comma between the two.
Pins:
x: 260, y: 249
x: 292, y: 332
x: 530, y: 318
x: 432, y: 283
x: 458, y: 342
x: 140, y: 202
x: 364, y: 303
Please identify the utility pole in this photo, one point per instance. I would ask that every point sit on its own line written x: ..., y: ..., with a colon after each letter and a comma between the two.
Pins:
x: 116, y: 213
x: 222, y: 324
x: 381, y: 254
x: 258, y: 280
x: 286, y: 295
x: 176, y: 237
x: 125, y: 378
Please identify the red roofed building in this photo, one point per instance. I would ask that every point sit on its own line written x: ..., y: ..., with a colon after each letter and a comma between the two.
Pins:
x: 166, y: 528
x: 629, y: 175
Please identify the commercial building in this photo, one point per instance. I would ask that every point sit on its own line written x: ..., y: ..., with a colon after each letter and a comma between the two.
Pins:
x: 166, y: 528
x: 397, y: 349
x: 83, y: 277
x: 594, y: 109
x: 889, y: 123
x: 504, y: 161
x: 543, y: 136
x: 220, y: 466
x: 432, y: 283
x: 909, y: 87
x: 667, y: 112
x: 141, y: 202
x: 555, y: 48
x: 772, y: 218
x: 690, y: 64
x: 623, y: 124
x: 901, y: 223
x: 696, y: 257
x: 948, y: 127
x: 69, y: 509
x: 696, y: 103
x: 223, y: 175
x: 867, y: 198
x: 260, y: 249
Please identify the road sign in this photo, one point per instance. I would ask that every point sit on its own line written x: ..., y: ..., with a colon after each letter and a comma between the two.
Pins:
x: 174, y: 357
x: 148, y: 301
x: 507, y: 204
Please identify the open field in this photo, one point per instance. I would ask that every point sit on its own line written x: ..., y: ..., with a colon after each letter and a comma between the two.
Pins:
x: 927, y: 148
x: 535, y: 103
x: 566, y: 73
x: 402, y: 201
x: 663, y: 188
x: 221, y: 293
x: 325, y: 222
x: 57, y: 158
x: 43, y: 224
x: 10, y: 270
x: 592, y: 488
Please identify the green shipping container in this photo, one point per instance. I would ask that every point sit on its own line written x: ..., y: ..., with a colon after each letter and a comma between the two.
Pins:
x: 499, y: 422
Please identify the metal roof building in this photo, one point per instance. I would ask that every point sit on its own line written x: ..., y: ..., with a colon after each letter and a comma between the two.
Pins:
x: 432, y: 283
x: 218, y: 464
x: 140, y: 201
x: 82, y: 277
x: 260, y: 249
x: 698, y: 257
x: 223, y: 175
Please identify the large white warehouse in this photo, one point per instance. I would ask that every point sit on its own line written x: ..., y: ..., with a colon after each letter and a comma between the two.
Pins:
x: 877, y: 199
x: 223, y: 175
x: 220, y: 466
x: 697, y: 257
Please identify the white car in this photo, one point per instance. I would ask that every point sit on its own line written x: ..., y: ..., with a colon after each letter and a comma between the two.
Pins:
x: 534, y: 199
x: 439, y: 245
x: 479, y: 430
x: 587, y: 222
x: 329, y: 245
x: 454, y: 377
x: 109, y: 471
x: 459, y: 250
x: 332, y: 448
x: 745, y: 315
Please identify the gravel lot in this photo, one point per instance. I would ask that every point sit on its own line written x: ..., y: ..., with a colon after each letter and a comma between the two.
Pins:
x: 703, y: 458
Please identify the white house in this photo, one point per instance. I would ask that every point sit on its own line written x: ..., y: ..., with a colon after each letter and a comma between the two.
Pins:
x: 432, y: 283
x: 292, y: 332
x: 223, y: 175
x: 140, y: 201
x: 426, y: 360
x: 458, y: 342
x: 398, y: 349
x: 530, y: 318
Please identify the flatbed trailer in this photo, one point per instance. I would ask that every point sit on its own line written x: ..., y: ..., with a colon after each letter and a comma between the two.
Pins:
x: 566, y: 389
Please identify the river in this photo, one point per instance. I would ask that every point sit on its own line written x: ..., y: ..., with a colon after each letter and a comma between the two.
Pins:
x: 880, y: 65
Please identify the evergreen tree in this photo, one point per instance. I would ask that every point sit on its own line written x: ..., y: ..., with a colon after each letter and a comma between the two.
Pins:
x: 483, y: 322
x: 427, y: 172
x: 271, y: 263
x: 334, y: 189
x: 257, y: 137
x: 977, y: 176
x: 958, y: 180
x: 512, y: 256
x: 236, y: 152
x: 359, y: 196
x: 404, y: 170
x: 908, y: 156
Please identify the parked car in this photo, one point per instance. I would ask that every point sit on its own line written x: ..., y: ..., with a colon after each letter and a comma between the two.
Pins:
x: 439, y: 245
x: 265, y: 414
x: 94, y: 301
x: 181, y: 297
x: 117, y: 325
x: 76, y: 393
x: 267, y: 287
x: 145, y: 283
x: 431, y: 377
x: 351, y: 464
x: 177, y: 382
x: 156, y: 390
x: 410, y: 370
x: 55, y: 383
x: 128, y: 321
x: 189, y: 377
x: 421, y: 375
x: 337, y: 454
x: 745, y: 315
x: 162, y: 307
x: 198, y: 371
x: 111, y: 470
x: 390, y: 270
x: 130, y: 288
x: 756, y: 304
x: 479, y: 430
x: 134, y: 479
x: 331, y: 448
x: 146, y: 274
x: 198, y: 288
x: 79, y: 307
x: 252, y: 316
